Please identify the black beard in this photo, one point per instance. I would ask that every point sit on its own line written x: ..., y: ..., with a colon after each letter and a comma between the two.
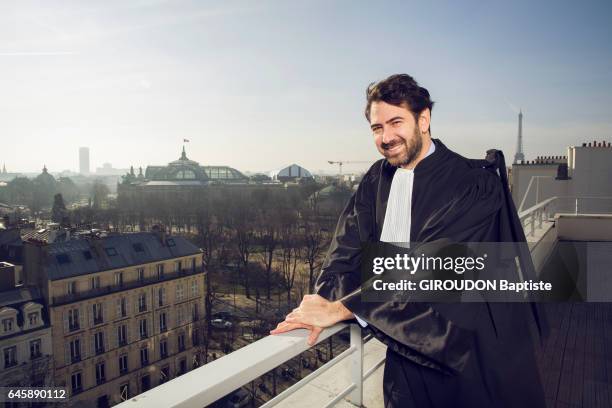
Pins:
x: 411, y: 153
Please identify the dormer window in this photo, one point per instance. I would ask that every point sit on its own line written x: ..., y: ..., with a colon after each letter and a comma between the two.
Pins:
x: 7, y: 325
x: 62, y: 258
x: 33, y: 318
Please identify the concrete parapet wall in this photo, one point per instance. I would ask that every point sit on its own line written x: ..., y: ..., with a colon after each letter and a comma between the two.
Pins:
x: 584, y: 227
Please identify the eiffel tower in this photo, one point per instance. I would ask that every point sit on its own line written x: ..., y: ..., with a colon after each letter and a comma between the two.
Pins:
x: 519, y: 156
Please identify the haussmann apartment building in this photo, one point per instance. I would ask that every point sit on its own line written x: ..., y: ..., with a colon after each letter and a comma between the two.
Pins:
x: 125, y: 311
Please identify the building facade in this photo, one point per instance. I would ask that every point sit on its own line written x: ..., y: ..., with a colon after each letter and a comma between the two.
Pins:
x: 584, y: 172
x: 84, y: 160
x: 125, y: 311
x: 25, y: 337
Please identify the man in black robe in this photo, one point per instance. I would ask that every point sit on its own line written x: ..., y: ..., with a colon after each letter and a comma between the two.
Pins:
x: 438, y: 354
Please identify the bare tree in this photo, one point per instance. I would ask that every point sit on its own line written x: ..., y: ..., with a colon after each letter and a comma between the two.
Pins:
x: 290, y: 254
x: 315, y: 240
x: 242, y: 222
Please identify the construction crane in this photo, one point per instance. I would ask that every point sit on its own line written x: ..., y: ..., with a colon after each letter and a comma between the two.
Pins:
x: 340, y: 163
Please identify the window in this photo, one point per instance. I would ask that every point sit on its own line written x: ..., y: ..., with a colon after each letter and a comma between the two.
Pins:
x: 194, y: 312
x: 142, y: 302
x: 100, y: 373
x: 124, y: 391
x: 122, y: 335
x: 193, y: 264
x: 75, y: 350
x: 195, y: 337
x: 180, y: 315
x: 96, y: 310
x: 62, y: 259
x: 33, y: 318
x: 161, y: 296
x: 73, y: 320
x: 160, y: 271
x: 110, y: 251
x: 138, y: 247
x: 195, y: 362
x: 181, y: 341
x: 141, y: 275
x: 87, y: 255
x: 143, y: 328
x: 122, y: 307
x: 95, y: 282
x: 99, y: 342
x: 162, y: 322
x: 7, y: 325
x: 164, y: 374
x: 182, y: 366
x: 123, y: 364
x: 77, y: 385
x: 179, y: 292
x: 170, y: 242
x: 119, y: 278
x: 163, y: 349
x: 144, y: 356
x: 18, y: 277
x: 103, y: 401
x: 194, y: 288
x: 10, y: 356
x: 35, y: 348
x: 178, y: 266
x: 145, y: 382
x: 71, y: 288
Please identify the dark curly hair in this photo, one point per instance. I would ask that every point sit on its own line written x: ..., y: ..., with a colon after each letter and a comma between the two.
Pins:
x: 399, y: 90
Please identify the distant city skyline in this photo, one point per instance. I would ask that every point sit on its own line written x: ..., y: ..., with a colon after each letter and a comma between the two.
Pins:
x: 258, y: 86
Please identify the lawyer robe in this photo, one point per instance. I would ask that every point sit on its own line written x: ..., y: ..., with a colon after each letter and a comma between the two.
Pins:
x: 442, y: 354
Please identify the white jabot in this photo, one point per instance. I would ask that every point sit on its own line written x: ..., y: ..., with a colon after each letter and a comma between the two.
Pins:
x: 396, y: 227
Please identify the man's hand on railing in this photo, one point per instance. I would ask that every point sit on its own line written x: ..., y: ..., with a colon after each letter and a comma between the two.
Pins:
x: 314, y: 313
x: 284, y: 327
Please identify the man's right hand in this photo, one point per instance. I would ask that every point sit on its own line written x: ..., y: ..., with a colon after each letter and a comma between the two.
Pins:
x: 284, y: 326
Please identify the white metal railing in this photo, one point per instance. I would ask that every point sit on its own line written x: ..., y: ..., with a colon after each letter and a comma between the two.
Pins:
x: 537, y: 189
x: 209, y: 383
x: 563, y: 204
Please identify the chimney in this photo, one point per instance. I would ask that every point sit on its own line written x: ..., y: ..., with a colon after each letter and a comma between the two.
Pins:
x: 562, y: 173
x: 160, y: 232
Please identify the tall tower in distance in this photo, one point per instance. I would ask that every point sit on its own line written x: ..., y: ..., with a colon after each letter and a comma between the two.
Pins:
x: 84, y: 160
x: 519, y: 156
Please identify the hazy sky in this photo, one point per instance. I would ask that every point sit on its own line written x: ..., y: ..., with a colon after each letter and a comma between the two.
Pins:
x: 258, y: 85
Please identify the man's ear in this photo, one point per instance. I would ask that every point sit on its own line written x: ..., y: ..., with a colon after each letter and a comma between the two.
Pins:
x: 424, y: 120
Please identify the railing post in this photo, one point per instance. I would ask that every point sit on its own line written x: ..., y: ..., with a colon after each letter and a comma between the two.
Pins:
x: 356, y: 396
x: 532, y: 223
x: 540, y: 217
x: 576, y: 208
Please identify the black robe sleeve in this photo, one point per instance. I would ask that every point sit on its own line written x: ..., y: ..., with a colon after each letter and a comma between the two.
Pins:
x: 422, y: 332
